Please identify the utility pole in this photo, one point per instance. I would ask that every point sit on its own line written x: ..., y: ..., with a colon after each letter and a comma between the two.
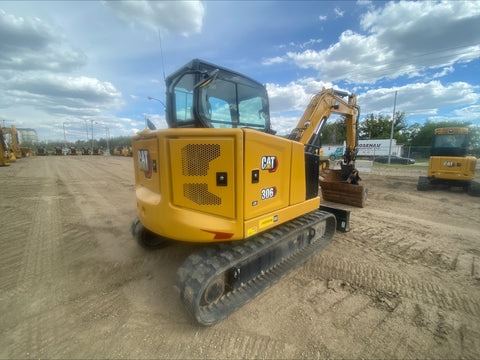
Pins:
x: 64, y: 136
x: 393, y: 124
x: 86, y: 128
x: 92, y: 136
x: 107, y: 135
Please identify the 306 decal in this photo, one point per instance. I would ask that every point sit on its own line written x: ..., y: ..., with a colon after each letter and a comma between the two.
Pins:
x: 269, y: 193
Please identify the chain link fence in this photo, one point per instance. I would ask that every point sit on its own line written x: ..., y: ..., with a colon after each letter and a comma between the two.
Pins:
x: 422, y: 153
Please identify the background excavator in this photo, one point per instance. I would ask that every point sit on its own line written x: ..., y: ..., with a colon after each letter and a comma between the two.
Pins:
x: 4, y: 160
x: 14, y: 148
x: 219, y: 176
x: 341, y: 186
x: 449, y: 164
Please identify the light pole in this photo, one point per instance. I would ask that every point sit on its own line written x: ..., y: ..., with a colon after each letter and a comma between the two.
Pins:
x: 92, y: 134
x: 64, y: 136
x: 146, y: 120
x: 160, y: 101
x: 393, y: 124
x: 86, y: 128
x: 107, y: 134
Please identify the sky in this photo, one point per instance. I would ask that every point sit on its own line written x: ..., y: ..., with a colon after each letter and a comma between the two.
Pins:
x: 83, y: 65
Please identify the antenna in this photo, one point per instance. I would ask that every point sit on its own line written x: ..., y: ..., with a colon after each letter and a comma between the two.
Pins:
x: 161, y: 54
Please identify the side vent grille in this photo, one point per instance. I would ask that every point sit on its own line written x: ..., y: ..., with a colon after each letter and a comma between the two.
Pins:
x: 196, y: 158
x: 199, y: 194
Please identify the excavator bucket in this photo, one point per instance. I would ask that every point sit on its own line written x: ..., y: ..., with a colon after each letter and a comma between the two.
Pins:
x: 335, y: 189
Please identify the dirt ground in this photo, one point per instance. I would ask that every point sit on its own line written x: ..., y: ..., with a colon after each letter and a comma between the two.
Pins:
x: 403, y: 283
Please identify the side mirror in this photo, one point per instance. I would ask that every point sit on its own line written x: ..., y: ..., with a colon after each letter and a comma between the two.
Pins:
x: 211, y: 76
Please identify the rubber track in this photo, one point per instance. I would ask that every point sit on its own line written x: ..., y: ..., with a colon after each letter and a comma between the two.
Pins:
x: 207, y: 264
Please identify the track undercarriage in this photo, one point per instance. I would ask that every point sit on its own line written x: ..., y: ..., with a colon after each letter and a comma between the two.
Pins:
x: 471, y: 187
x: 217, y: 280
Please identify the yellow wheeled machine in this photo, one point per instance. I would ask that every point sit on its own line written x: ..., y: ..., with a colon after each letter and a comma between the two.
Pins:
x: 72, y: 150
x: 219, y: 176
x: 41, y: 151
x: 449, y: 164
x: 97, y: 151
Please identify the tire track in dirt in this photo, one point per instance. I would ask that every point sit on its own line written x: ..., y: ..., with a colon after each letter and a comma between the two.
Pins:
x: 372, y: 278
x: 406, y: 243
x: 379, y: 324
x: 40, y: 265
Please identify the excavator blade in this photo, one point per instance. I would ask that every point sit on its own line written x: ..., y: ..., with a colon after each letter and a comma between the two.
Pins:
x: 335, y: 189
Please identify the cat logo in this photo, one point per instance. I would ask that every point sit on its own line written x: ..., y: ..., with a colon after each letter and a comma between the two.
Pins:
x: 269, y: 163
x: 145, y: 163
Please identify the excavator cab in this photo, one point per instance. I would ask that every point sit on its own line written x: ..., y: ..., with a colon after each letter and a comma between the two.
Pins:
x: 203, y: 95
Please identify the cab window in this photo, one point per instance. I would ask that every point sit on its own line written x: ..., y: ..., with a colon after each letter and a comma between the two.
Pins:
x: 184, y: 98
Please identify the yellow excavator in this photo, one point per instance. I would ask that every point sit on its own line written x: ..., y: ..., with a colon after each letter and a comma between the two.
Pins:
x: 341, y: 186
x: 14, y: 142
x: 219, y: 176
x: 4, y: 159
x: 449, y: 164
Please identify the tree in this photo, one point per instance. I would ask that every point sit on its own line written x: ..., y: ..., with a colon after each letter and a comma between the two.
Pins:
x: 334, y: 132
x: 380, y: 127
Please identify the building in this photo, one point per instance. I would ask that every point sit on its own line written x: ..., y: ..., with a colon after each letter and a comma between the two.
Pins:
x: 26, y: 135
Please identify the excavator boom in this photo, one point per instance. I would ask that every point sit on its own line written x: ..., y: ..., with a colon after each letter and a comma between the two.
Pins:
x: 341, y: 186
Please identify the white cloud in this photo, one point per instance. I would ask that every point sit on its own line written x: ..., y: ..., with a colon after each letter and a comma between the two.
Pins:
x: 295, y: 96
x: 469, y: 113
x: 273, y: 61
x: 287, y: 98
x: 60, y: 94
x: 400, y: 39
x: 292, y: 98
x: 283, y: 125
x: 419, y: 98
x: 37, y: 88
x: 180, y: 17
x: 338, y: 12
x: 292, y: 45
x: 32, y: 44
x: 445, y: 71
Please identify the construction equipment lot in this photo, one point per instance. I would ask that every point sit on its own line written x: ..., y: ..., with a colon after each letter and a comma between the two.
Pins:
x: 403, y: 283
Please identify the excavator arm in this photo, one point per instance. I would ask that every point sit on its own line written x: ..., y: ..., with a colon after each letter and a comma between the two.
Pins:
x: 337, y: 185
x: 329, y: 101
